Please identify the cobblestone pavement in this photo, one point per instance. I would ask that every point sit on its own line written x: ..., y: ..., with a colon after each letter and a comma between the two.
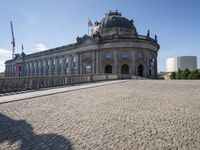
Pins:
x: 138, y: 114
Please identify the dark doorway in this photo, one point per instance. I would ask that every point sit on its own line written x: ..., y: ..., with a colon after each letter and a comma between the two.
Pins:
x: 108, y: 69
x: 125, y: 69
x: 150, y: 73
x: 140, y: 70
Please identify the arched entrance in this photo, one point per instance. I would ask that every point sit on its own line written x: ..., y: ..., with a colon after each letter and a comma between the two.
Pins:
x: 140, y: 70
x: 108, y: 69
x: 125, y: 69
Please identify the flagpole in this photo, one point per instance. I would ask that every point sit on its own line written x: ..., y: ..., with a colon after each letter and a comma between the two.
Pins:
x: 88, y: 30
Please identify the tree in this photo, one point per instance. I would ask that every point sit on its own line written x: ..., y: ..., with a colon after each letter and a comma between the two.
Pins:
x: 185, y: 73
x: 178, y: 74
x: 194, y: 75
x: 173, y: 75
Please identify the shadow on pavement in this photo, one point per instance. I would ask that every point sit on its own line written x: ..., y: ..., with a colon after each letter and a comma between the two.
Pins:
x: 19, y: 130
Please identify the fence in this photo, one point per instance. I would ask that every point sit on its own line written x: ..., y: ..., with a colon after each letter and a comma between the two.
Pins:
x: 33, y: 83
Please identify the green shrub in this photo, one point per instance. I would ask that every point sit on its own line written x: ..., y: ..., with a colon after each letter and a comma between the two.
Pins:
x: 173, y: 75
x: 194, y: 75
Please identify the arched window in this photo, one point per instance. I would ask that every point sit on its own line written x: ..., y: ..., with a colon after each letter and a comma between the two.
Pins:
x: 74, y: 65
x: 108, y: 69
x: 125, y: 69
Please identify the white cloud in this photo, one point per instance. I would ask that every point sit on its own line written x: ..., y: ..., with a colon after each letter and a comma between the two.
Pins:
x: 2, y: 66
x: 40, y: 47
x: 4, y: 55
x: 5, y: 52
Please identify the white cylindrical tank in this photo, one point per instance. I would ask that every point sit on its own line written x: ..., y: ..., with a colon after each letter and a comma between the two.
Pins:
x: 182, y: 62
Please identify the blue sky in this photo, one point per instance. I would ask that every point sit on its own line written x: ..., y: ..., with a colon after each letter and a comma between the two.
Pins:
x: 44, y: 24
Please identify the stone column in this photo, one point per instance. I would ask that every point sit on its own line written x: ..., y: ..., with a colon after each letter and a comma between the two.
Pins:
x: 132, y: 64
x: 62, y: 65
x: 97, y: 61
x: 31, y: 68
x: 36, y: 68
x: 156, y: 67
x: 39, y: 67
x: 28, y: 69
x: 115, y: 64
x: 45, y: 73
x: 50, y: 66
x: 93, y: 63
x: 80, y: 64
x: 56, y: 66
x: 70, y: 65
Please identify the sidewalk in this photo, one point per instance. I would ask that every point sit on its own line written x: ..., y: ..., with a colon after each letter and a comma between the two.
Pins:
x: 34, y: 94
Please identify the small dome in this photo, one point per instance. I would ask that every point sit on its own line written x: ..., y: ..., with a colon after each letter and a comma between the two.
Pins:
x: 115, y: 20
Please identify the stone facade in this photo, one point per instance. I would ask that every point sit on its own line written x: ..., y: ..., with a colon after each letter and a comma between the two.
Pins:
x: 114, y: 47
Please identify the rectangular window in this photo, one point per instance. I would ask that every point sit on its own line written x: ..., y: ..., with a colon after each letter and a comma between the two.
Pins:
x: 140, y: 55
x: 124, y: 54
x: 60, y: 61
x: 88, y: 69
x: 108, y: 55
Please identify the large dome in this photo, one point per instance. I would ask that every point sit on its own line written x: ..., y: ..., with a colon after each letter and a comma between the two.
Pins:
x: 114, y: 24
x: 115, y: 20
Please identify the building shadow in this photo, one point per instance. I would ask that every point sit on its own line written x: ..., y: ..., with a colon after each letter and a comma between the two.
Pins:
x: 19, y: 130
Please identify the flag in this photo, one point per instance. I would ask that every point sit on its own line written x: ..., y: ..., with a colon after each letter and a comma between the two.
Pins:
x: 89, y: 23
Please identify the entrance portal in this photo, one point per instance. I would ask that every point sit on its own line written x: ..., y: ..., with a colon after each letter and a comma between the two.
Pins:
x: 125, y: 69
x: 108, y: 69
x: 140, y: 70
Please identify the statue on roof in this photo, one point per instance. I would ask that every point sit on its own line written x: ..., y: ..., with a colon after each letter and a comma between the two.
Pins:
x: 148, y: 33
x: 156, y: 38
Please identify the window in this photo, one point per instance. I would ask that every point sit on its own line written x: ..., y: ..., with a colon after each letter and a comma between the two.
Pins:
x: 140, y: 55
x: 60, y: 61
x: 88, y: 69
x: 108, y: 55
x: 39, y: 63
x: 67, y: 60
x: 124, y: 54
x: 67, y: 70
x: 35, y: 64
x: 150, y: 55
x: 54, y: 61
x: 75, y: 69
x: 49, y: 62
x: 74, y: 59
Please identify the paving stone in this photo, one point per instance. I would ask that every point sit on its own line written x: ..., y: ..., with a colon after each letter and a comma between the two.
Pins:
x: 138, y: 114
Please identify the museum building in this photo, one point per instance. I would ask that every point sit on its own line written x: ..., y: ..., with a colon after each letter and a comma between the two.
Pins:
x: 114, y: 47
